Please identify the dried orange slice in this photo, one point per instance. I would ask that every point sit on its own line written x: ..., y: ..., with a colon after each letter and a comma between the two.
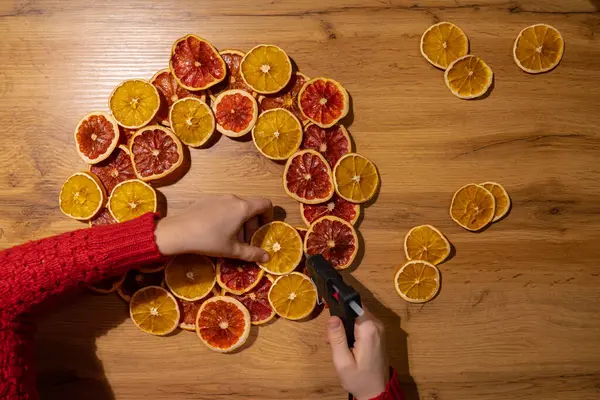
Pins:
x: 293, y: 296
x: 332, y: 142
x: 501, y: 197
x: 189, y: 310
x: 96, y: 136
x: 336, y: 207
x: 277, y: 134
x: 473, y: 207
x: 170, y: 91
x: 323, y: 101
x: 223, y: 324
x: 417, y: 281
x: 538, y: 48
x: 108, y: 285
x: 102, y: 218
x: 334, y: 238
x: 284, y: 245
x: 257, y: 301
x: 134, y: 103
x: 81, y: 196
x: 307, y: 177
x: 443, y: 43
x: 237, y: 276
x: 196, y: 64
x: 154, y: 311
x: 190, y: 276
x: 468, y: 77
x: 356, y: 178
x: 155, y: 152
x: 236, y: 112
x: 286, y: 98
x: 115, y: 169
x: 192, y: 121
x: 153, y: 267
x: 136, y: 280
x: 426, y: 243
x: 266, y: 69
x: 131, y: 199
x: 233, y: 80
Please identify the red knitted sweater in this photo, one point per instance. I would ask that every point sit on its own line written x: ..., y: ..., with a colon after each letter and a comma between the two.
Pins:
x: 33, y: 273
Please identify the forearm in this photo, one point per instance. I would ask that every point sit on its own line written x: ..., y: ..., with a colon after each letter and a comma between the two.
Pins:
x: 392, y: 390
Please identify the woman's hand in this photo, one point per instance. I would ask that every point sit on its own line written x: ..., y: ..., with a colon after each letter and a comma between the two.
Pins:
x: 364, y: 370
x: 218, y: 226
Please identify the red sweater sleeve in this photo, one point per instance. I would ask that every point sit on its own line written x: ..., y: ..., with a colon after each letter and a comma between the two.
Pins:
x: 32, y: 273
x: 392, y: 390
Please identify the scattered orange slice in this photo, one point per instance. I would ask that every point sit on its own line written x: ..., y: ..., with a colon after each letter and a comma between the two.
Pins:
x: 502, y: 199
x: 284, y: 245
x: 426, y: 243
x: 131, y: 199
x: 81, y: 196
x: 443, y: 43
x: 356, y: 178
x: 473, y: 207
x: 154, y: 311
x: 134, y: 103
x: 417, y: 281
x: 266, y: 69
x: 192, y: 121
x: 538, y: 48
x: 190, y: 276
x: 468, y: 77
x: 277, y: 134
x: 293, y: 296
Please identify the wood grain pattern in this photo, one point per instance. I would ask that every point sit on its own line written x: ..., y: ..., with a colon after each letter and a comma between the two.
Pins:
x: 518, y: 314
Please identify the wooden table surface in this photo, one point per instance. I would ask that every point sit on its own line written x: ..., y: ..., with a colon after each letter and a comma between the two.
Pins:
x: 518, y: 315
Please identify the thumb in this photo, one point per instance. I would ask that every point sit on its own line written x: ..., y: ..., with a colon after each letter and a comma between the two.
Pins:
x: 342, y: 356
x: 249, y: 253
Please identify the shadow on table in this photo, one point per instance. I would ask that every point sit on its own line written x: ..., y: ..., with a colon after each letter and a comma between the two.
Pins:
x: 396, y: 338
x: 596, y: 4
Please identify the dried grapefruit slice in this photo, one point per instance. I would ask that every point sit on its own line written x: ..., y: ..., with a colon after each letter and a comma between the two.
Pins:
x: 336, y: 207
x: 192, y: 121
x: 131, y: 199
x: 293, y: 296
x: 189, y: 310
x: 102, y: 218
x: 155, y: 152
x: 236, y: 112
x: 417, y: 281
x: 237, y: 276
x: 468, y: 77
x: 284, y: 245
x: 426, y: 243
x: 538, y: 48
x: 356, y: 178
x: 134, y: 103
x: 266, y: 69
x: 170, y: 91
x: 136, y: 280
x: 154, y: 311
x: 108, y: 285
x: 287, y: 98
x: 233, y: 80
x: 190, y: 276
x: 332, y: 142
x: 81, y: 196
x: 223, y: 324
x: 323, y: 101
x: 333, y: 238
x: 443, y: 43
x: 196, y: 64
x: 96, y: 136
x: 115, y: 169
x: 307, y: 177
x: 501, y: 197
x: 277, y: 134
x: 473, y: 207
x: 257, y: 301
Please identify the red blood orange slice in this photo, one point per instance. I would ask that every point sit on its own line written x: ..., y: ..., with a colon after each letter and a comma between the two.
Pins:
x: 136, y: 280
x: 257, y: 301
x: 336, y: 207
x: 155, y: 152
x: 170, y: 91
x: 323, y: 101
x: 96, y: 136
x: 307, y: 177
x: 223, y: 324
x: 196, y: 64
x: 234, y: 79
x: 115, y: 169
x: 287, y: 98
x: 332, y: 142
x: 236, y: 112
x: 333, y: 238
x: 189, y: 310
x: 104, y: 217
x: 237, y: 276
x: 108, y: 285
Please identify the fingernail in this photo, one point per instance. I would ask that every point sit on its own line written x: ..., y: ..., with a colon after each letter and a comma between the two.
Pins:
x: 333, y: 323
x: 265, y: 258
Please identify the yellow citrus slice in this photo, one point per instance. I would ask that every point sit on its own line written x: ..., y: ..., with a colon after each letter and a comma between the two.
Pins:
x: 81, y: 196
x: 443, y: 43
x: 356, y: 178
x: 284, y: 245
x: 417, y: 281
x: 293, y: 296
x: 192, y: 121
x: 266, y: 69
x: 134, y: 103
x: 131, y: 199
x: 538, y: 48
x: 190, y: 276
x: 473, y: 207
x: 223, y: 323
x: 154, y: 311
x: 426, y: 243
x: 468, y: 77
x: 502, y: 199
x: 277, y: 134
